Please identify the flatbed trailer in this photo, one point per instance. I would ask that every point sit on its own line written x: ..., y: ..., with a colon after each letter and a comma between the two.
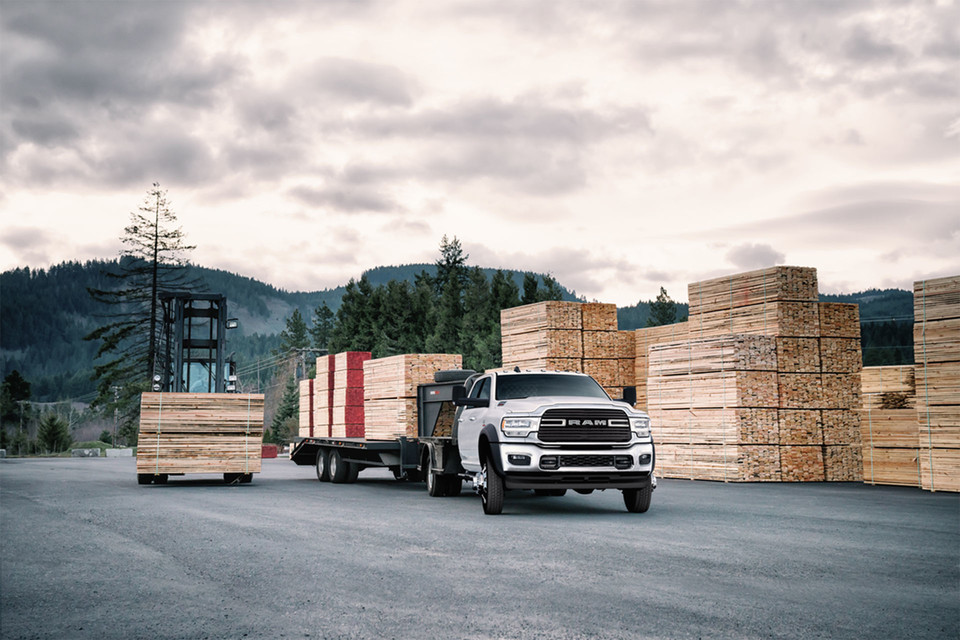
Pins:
x: 431, y: 455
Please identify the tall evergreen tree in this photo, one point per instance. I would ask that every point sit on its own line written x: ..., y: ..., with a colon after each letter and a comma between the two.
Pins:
x: 504, y: 291
x: 530, y: 286
x: 663, y: 310
x: 322, y: 326
x: 153, y: 261
x: 14, y: 390
x: 295, y: 334
x: 551, y: 289
x: 53, y: 436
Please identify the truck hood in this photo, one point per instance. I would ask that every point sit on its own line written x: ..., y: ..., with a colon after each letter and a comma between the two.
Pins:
x: 537, y: 405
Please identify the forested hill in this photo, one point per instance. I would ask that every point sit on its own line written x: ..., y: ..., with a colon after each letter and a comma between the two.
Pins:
x: 44, y: 315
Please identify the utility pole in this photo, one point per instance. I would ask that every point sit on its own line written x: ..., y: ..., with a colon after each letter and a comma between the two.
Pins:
x: 116, y: 416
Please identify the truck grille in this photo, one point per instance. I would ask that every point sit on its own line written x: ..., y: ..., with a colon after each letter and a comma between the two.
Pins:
x: 586, y: 461
x: 584, y: 425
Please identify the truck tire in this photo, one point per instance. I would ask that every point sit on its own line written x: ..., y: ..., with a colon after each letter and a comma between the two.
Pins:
x: 339, y: 471
x: 435, y: 485
x: 144, y: 478
x: 454, y: 485
x: 323, y: 467
x: 637, y: 500
x: 452, y: 375
x: 491, y: 491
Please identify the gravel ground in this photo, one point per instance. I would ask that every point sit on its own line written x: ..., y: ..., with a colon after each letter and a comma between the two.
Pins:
x: 88, y: 553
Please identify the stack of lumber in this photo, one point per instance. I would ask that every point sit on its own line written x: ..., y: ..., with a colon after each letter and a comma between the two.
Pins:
x: 306, y: 408
x: 545, y: 335
x: 390, y: 391
x: 799, y: 406
x: 347, y: 403
x: 200, y: 433
x: 570, y: 336
x: 323, y: 397
x: 714, y: 408
x: 889, y: 429
x: 936, y: 348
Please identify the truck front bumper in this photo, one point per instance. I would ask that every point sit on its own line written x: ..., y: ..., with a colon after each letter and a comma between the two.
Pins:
x: 528, y: 466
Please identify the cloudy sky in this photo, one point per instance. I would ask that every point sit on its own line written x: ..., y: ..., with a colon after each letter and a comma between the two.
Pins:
x: 619, y: 146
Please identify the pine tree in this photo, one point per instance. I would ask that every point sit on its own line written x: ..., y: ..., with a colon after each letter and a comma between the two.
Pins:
x: 530, y: 286
x: 551, y: 289
x: 663, y: 310
x: 295, y: 336
x: 282, y: 428
x: 322, y: 326
x: 14, y: 390
x: 53, y: 436
x: 153, y: 261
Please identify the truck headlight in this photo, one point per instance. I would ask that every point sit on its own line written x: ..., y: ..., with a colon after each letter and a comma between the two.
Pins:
x: 640, y: 426
x: 518, y: 427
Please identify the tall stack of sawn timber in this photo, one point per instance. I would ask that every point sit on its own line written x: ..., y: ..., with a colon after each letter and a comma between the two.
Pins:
x: 771, y: 378
x: 570, y: 336
x: 936, y: 347
x: 200, y: 433
x: 888, y: 426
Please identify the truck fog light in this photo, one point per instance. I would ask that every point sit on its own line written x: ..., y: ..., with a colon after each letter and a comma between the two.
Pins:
x: 549, y: 462
x: 623, y: 462
x: 519, y: 460
x: 645, y: 458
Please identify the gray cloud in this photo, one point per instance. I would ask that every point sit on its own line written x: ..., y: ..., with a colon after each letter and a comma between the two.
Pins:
x: 356, y: 81
x: 754, y: 256
x: 345, y: 200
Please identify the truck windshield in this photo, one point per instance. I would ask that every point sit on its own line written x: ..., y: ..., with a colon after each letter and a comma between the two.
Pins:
x: 514, y: 387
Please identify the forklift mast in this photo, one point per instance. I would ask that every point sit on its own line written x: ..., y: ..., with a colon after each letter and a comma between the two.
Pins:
x: 191, y: 350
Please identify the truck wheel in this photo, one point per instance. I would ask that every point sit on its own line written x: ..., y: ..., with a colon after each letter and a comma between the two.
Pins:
x: 323, y: 468
x: 338, y: 468
x: 491, y: 490
x: 454, y: 485
x: 637, y: 500
x: 144, y: 478
x: 435, y: 485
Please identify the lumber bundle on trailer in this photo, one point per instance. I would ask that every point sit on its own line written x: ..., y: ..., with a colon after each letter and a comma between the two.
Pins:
x: 323, y: 397
x: 779, y: 318
x: 390, y: 391
x: 306, y: 424
x: 888, y: 426
x: 347, y: 396
x: 200, y: 433
x: 936, y: 338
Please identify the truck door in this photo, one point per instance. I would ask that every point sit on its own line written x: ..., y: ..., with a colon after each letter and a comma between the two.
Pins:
x: 470, y: 424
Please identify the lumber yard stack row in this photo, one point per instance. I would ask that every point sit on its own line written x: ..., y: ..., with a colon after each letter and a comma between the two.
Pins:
x: 771, y: 378
x: 200, y: 433
x: 356, y: 396
x: 936, y: 347
x: 570, y: 336
x: 889, y: 429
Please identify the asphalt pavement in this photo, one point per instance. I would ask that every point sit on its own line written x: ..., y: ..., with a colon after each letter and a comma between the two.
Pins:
x: 88, y: 553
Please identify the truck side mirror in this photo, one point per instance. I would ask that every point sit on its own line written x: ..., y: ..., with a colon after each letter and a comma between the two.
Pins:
x: 458, y: 393
x: 630, y: 395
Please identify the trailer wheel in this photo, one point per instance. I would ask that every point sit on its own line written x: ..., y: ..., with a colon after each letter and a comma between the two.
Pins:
x: 338, y: 468
x: 491, y: 489
x: 353, y: 470
x: 161, y: 479
x: 144, y: 478
x: 637, y: 500
x: 246, y: 478
x: 229, y: 478
x: 323, y: 467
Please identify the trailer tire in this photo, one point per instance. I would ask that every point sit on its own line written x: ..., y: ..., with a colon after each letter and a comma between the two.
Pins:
x: 637, y: 500
x: 339, y: 471
x: 144, y: 478
x: 229, y: 478
x: 246, y: 478
x: 323, y: 467
x: 353, y: 471
x: 161, y: 479
x: 491, y: 491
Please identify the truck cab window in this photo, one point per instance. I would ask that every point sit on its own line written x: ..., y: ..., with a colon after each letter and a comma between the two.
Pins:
x: 481, y: 389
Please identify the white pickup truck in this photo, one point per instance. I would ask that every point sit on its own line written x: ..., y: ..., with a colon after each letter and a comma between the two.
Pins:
x: 551, y: 431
